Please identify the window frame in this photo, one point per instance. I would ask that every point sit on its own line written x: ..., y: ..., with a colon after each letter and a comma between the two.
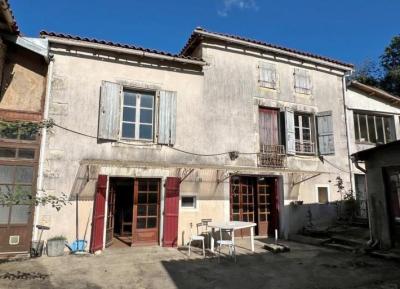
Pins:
x: 313, y: 141
x: 365, y: 114
x: 317, y: 186
x: 195, y: 206
x: 139, y: 91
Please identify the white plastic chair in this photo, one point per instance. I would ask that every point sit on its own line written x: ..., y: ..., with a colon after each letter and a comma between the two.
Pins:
x: 197, y: 237
x: 226, y: 242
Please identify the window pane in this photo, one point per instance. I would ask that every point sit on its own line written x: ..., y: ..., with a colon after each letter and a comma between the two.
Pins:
x: 379, y: 130
x: 296, y: 120
x: 371, y: 128
x: 141, y: 210
x: 27, y: 136
x: 26, y: 153
x: 188, y: 202
x: 146, y: 131
x: 306, y: 135
x: 152, y: 210
x: 141, y: 223
x: 129, y: 114
x: 389, y: 129
x: 356, y: 126
x: 4, y: 212
x: 129, y: 98
x: 128, y: 130
x: 7, y: 174
x: 305, y: 121
x: 142, y: 198
x: 19, y: 214
x: 363, y: 128
x: 146, y: 116
x: 6, y: 189
x: 153, y: 198
x: 12, y: 134
x: 151, y: 222
x: 297, y: 132
x: 7, y: 152
x: 23, y: 175
x: 322, y: 195
x: 146, y: 101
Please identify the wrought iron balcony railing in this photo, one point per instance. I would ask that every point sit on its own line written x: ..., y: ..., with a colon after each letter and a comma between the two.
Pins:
x: 273, y: 156
x: 305, y: 147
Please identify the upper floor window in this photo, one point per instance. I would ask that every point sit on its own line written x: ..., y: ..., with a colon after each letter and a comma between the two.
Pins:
x: 267, y: 75
x: 304, y: 133
x: 302, y: 81
x: 374, y: 128
x: 137, y: 115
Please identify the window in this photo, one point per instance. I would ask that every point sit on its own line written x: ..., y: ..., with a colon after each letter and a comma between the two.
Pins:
x: 372, y: 128
x: 302, y: 81
x: 304, y: 133
x: 15, y: 180
x: 188, y: 202
x: 137, y: 115
x: 323, y: 194
x: 267, y: 75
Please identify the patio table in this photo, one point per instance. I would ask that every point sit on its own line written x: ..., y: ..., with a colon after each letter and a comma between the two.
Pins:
x: 233, y: 225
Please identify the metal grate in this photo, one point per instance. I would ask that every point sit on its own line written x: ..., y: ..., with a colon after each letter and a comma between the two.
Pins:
x: 273, y: 156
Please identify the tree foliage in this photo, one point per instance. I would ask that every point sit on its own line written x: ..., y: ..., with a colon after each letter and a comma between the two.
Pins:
x: 386, y: 74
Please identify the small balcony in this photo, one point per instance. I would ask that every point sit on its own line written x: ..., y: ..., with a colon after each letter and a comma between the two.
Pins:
x: 305, y: 147
x: 272, y: 156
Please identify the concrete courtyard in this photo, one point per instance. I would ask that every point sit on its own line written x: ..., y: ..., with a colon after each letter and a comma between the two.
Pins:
x: 305, y: 266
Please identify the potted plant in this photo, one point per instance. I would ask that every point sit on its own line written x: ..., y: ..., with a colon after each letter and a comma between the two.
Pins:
x: 55, y: 246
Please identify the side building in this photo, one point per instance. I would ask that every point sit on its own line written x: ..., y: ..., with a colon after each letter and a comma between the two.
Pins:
x: 146, y: 143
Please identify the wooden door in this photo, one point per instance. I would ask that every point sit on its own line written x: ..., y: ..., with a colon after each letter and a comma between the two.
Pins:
x: 110, y: 216
x: 263, y: 206
x: 268, y: 126
x: 171, y: 212
x: 146, y: 211
x: 393, y: 198
x: 242, y: 201
x: 96, y: 241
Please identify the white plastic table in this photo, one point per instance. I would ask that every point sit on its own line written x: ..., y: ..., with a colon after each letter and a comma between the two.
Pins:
x: 232, y: 225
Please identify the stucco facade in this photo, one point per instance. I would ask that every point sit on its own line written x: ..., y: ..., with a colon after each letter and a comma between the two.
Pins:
x: 217, y: 111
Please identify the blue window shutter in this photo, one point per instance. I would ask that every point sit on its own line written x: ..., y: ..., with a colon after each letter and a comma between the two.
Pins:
x: 290, y: 132
x: 326, y: 145
x: 110, y: 111
x: 167, y: 118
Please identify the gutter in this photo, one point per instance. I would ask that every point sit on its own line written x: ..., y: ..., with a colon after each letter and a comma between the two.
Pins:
x: 139, y: 53
x: 272, y: 49
x: 39, y: 185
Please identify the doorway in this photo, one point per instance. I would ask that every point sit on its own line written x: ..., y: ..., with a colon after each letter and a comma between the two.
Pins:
x: 133, y: 216
x: 255, y: 199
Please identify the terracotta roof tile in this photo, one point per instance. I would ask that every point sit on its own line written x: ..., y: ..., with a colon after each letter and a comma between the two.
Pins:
x: 122, y: 45
x: 14, y: 24
x: 196, y: 37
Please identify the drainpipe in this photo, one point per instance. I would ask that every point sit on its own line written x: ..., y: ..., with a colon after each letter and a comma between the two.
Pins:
x: 39, y: 187
x: 347, y: 129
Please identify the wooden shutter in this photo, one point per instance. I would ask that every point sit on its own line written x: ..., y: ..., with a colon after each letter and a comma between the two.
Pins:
x: 302, y: 81
x: 167, y: 118
x: 290, y: 132
x: 267, y: 74
x: 171, y: 212
x: 99, y: 205
x: 110, y: 110
x: 326, y: 144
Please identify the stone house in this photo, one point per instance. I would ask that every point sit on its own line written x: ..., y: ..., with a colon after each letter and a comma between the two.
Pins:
x: 147, y: 142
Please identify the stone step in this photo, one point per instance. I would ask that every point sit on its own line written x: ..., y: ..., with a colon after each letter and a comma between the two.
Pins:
x: 340, y: 247
x: 308, y: 240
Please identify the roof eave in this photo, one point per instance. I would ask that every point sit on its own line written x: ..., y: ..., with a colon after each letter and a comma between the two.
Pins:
x: 373, y: 91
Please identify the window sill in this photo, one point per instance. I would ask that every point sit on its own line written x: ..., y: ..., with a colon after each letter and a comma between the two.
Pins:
x: 136, y: 144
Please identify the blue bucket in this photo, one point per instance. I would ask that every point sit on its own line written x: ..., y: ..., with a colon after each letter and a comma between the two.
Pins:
x: 78, y: 245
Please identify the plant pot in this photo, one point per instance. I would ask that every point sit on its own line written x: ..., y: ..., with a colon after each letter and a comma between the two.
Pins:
x: 55, y: 248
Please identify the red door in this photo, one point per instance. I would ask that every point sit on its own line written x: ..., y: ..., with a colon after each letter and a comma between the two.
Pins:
x: 96, y: 241
x: 171, y: 212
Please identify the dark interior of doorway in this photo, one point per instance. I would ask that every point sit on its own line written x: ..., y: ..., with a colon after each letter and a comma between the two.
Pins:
x: 121, y: 190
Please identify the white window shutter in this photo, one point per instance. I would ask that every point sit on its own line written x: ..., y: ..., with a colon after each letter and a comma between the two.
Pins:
x: 290, y: 132
x: 302, y: 81
x: 167, y: 118
x: 326, y: 145
x: 267, y: 75
x: 110, y: 110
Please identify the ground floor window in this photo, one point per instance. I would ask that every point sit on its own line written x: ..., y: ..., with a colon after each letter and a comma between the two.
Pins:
x: 188, y: 202
x: 323, y: 194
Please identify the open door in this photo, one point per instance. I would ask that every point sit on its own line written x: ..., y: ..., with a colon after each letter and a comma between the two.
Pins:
x: 171, y: 212
x: 96, y: 241
x: 110, y: 216
x: 263, y: 195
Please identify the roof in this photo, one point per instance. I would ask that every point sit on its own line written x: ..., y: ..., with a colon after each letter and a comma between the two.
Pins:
x: 374, y: 91
x: 199, y: 33
x: 115, y: 44
x: 8, y: 16
x: 363, y: 155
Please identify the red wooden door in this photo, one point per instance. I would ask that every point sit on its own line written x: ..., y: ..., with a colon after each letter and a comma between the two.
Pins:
x: 96, y: 241
x: 171, y: 212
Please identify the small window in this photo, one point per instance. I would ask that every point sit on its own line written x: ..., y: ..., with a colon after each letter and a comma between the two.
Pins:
x: 188, y: 202
x: 373, y: 128
x: 267, y: 75
x: 302, y: 81
x: 137, y: 115
x: 323, y: 194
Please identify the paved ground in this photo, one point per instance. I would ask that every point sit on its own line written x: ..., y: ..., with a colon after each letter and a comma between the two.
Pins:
x: 304, y: 266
